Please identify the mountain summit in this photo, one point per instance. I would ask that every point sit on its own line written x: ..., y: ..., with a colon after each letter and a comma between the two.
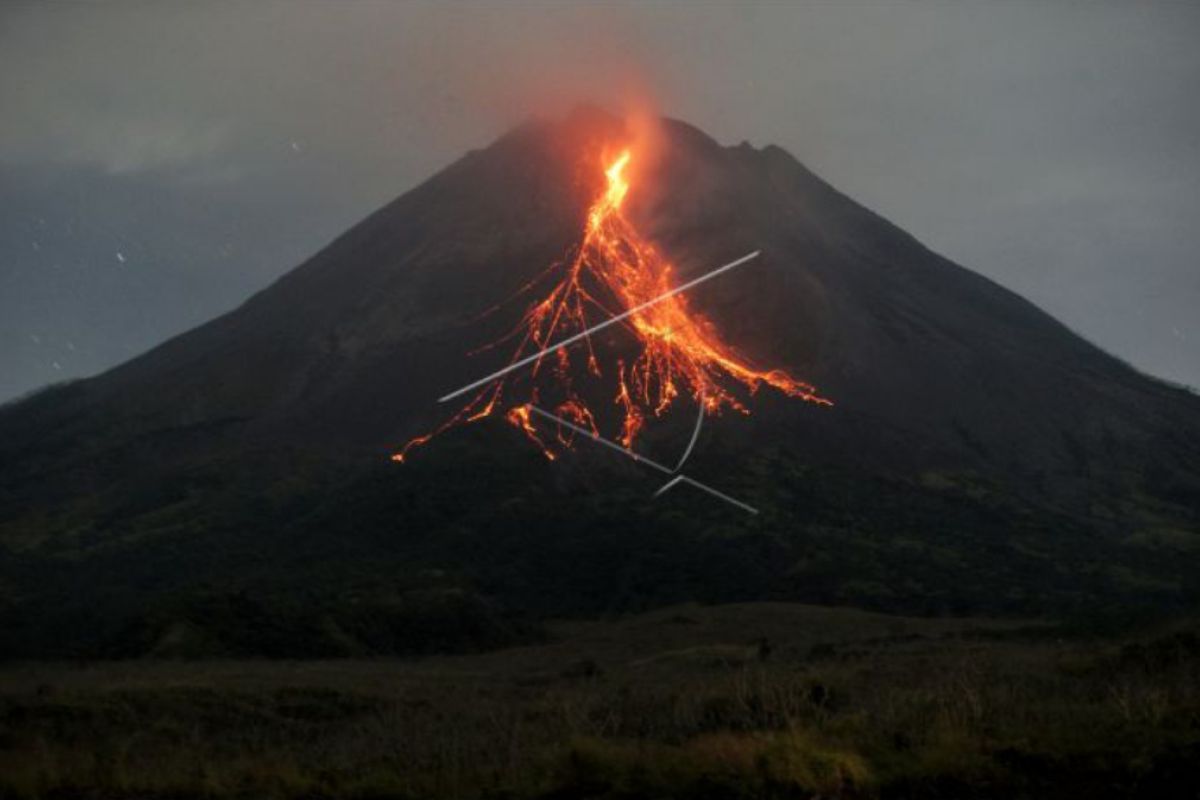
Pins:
x: 979, y: 455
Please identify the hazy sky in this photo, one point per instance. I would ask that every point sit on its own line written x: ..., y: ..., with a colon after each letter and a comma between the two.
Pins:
x: 160, y: 161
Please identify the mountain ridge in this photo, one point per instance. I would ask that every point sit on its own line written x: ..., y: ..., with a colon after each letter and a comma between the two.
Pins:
x: 980, y: 454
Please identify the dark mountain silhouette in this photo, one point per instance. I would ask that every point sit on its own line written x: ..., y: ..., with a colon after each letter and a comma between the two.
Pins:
x: 230, y: 490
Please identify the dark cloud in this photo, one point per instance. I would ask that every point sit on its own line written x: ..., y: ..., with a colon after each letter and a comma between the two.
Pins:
x: 1051, y: 147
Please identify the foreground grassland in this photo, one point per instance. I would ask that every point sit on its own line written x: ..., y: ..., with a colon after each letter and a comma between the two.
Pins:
x: 761, y: 700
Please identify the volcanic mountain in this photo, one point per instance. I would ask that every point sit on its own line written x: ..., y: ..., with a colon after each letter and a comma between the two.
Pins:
x: 232, y: 490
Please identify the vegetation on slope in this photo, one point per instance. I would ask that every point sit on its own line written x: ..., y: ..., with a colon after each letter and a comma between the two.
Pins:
x: 829, y: 702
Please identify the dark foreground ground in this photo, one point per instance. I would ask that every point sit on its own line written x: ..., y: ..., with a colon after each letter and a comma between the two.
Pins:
x: 763, y: 700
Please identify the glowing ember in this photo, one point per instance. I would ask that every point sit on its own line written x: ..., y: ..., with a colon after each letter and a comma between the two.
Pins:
x: 679, y: 352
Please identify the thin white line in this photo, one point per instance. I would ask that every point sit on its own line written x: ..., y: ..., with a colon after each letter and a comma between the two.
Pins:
x: 721, y: 495
x: 600, y: 439
x: 669, y: 484
x: 695, y: 433
x: 595, y: 437
x: 599, y: 326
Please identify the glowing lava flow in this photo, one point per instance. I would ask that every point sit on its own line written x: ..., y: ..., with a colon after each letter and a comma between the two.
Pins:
x: 613, y: 269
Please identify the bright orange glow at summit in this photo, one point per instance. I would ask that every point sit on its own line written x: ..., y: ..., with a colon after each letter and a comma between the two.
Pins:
x: 676, y: 351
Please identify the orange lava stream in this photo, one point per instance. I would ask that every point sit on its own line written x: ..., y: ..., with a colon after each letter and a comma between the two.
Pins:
x: 612, y: 270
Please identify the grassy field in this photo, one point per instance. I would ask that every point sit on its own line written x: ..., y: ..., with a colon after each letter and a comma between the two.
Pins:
x: 755, y: 700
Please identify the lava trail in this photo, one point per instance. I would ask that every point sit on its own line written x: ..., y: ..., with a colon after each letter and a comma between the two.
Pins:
x: 677, y: 352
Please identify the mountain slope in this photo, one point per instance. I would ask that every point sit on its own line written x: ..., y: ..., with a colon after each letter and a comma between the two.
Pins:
x: 979, y: 454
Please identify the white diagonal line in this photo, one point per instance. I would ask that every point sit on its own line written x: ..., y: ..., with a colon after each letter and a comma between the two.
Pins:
x: 673, y: 482
x: 599, y: 326
x: 722, y: 495
x: 600, y: 439
x: 595, y: 437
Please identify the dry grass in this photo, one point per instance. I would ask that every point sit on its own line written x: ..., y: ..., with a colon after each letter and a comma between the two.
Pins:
x: 678, y: 703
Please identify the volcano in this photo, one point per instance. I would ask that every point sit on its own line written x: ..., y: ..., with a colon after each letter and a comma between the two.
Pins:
x: 234, y: 490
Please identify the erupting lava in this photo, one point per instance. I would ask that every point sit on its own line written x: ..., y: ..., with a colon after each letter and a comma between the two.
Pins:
x: 611, y: 270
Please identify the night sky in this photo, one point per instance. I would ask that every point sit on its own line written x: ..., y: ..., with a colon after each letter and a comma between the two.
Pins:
x: 159, y: 162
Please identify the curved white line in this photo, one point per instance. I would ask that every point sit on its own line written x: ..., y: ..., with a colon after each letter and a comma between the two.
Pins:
x: 675, y: 481
x: 695, y: 433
